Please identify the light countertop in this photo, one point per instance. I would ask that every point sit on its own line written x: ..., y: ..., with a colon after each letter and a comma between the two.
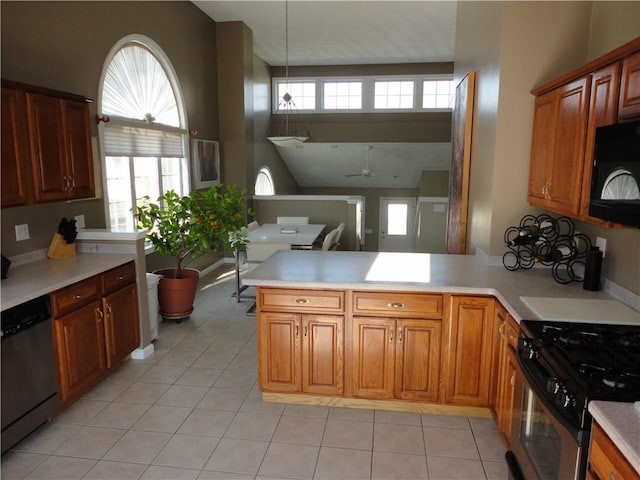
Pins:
x: 30, y: 280
x: 464, y: 274
x: 622, y: 424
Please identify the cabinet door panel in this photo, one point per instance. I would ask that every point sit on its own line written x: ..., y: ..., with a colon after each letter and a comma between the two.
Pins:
x: 603, y: 110
x: 568, y: 155
x: 48, y: 155
x: 469, y: 353
x: 418, y: 360
x: 121, y: 323
x: 79, y: 349
x: 279, y: 352
x: 629, y: 106
x: 80, y: 159
x: 373, y: 362
x: 13, y: 150
x: 542, y: 144
x: 323, y: 354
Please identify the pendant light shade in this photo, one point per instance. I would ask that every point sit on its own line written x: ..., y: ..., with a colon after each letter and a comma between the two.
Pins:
x: 288, y: 135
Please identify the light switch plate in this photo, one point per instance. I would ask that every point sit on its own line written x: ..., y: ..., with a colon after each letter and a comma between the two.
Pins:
x: 22, y: 232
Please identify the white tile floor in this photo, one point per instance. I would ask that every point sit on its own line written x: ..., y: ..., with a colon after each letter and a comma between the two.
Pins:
x: 192, y: 411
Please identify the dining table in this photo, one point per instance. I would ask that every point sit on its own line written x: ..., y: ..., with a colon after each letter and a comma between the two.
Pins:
x: 271, y: 237
x: 294, y: 236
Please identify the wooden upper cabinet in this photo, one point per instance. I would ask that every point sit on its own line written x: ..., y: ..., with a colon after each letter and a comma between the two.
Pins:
x: 603, y: 110
x: 60, y: 140
x: 629, y: 105
x: 14, y: 150
x: 558, y: 145
x: 48, y: 155
x: 79, y: 152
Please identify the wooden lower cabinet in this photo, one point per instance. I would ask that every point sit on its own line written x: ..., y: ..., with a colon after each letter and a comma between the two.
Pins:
x: 379, y: 345
x: 122, y: 334
x: 96, y: 326
x: 301, y: 353
x: 606, y: 462
x: 396, y: 358
x: 80, y: 349
x: 507, y: 368
x: 468, y: 351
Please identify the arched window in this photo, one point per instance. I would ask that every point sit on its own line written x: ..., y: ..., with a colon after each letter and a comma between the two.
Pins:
x: 145, y: 140
x: 264, y: 182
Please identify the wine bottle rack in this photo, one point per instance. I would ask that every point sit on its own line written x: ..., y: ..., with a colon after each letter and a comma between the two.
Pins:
x: 549, y: 241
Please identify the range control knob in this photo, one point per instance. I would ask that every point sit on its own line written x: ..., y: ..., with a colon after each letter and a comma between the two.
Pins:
x: 564, y: 398
x: 553, y: 385
x: 529, y: 350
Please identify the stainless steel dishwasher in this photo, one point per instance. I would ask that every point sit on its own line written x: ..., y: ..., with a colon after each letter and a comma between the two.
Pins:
x: 29, y: 378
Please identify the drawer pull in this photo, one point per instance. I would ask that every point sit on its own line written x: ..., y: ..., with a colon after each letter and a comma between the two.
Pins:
x: 301, y: 301
x: 120, y: 278
x: 77, y: 296
x: 395, y: 305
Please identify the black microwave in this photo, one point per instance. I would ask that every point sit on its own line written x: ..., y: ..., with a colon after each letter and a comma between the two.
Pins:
x: 615, y: 181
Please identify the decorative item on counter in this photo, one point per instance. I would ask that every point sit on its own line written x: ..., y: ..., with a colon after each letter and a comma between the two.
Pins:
x: 62, y: 245
x: 548, y: 241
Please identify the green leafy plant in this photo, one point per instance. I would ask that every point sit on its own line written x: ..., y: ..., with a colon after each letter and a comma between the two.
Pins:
x: 186, y: 227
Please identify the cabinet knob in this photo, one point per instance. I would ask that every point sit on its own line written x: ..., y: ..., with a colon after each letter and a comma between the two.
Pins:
x: 77, y: 296
x: 301, y: 301
x: 120, y: 278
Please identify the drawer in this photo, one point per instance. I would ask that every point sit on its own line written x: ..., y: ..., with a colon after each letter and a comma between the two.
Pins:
x: 74, y: 296
x: 118, y: 277
x: 287, y: 300
x: 398, y: 304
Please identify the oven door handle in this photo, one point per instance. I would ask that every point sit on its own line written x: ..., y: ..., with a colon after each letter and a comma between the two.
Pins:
x: 527, y: 368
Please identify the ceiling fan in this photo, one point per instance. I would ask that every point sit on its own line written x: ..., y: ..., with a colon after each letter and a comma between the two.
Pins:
x: 365, y: 172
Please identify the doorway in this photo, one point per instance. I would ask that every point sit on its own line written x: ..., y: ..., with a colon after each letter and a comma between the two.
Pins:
x: 397, y: 224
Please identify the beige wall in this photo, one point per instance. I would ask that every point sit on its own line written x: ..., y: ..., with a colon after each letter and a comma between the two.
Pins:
x: 265, y: 153
x: 515, y: 46
x: 63, y: 45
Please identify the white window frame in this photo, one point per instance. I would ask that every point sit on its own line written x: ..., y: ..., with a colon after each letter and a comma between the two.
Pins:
x: 368, y: 85
x: 172, y: 76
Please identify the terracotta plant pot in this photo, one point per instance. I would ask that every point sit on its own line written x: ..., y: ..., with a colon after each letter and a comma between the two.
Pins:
x: 176, y: 295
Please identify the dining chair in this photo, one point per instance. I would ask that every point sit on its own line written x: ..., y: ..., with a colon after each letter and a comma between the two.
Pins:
x: 292, y: 220
x: 329, y: 240
x: 253, y: 226
x: 340, y: 229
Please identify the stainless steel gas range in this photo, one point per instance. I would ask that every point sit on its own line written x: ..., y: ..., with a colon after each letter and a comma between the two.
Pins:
x: 562, y: 367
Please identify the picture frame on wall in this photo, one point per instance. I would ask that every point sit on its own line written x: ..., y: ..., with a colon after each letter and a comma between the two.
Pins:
x: 460, y: 165
x: 205, y: 158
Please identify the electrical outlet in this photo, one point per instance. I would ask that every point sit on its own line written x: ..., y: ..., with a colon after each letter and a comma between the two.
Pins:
x: 22, y: 232
x: 79, y: 221
x: 602, y: 244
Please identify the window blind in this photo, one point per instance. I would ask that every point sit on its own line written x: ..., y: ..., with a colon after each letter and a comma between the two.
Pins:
x: 125, y: 140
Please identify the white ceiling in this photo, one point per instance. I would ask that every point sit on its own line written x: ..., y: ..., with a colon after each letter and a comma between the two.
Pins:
x: 349, y: 33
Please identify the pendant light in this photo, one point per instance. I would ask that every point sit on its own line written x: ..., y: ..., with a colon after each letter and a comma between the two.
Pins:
x: 287, y: 136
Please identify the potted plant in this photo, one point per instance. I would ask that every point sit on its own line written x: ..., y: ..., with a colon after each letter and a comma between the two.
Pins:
x: 186, y: 227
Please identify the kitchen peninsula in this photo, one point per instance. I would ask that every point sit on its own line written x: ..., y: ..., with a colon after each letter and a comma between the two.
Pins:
x: 400, y: 331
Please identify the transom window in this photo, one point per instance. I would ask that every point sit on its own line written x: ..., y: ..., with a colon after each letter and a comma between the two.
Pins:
x: 393, y: 95
x: 368, y: 94
x: 302, y: 94
x: 342, y: 95
x: 145, y: 140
